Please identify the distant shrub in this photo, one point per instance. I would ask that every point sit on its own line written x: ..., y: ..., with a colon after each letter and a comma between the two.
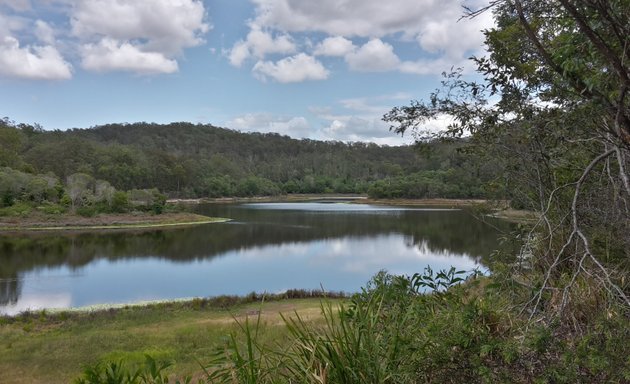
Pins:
x: 19, y: 209
x: 86, y: 211
x: 51, y: 208
x: 149, y: 200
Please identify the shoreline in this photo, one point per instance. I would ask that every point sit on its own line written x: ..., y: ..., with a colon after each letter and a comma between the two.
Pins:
x: 352, y: 198
x: 68, y: 222
x: 220, y: 302
x: 264, y: 199
x: 142, y: 220
x: 442, y: 202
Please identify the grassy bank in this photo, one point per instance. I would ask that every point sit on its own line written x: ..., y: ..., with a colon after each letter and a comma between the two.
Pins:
x: 295, y: 197
x: 451, y: 203
x: 42, y: 222
x: 53, y: 348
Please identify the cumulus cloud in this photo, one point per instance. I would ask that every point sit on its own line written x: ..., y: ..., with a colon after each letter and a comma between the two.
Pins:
x: 359, y: 119
x: 168, y: 26
x: 373, y: 56
x: 436, y: 66
x: 10, y: 24
x: 112, y: 55
x: 44, y: 32
x: 32, y: 62
x: 291, y: 69
x: 259, y: 43
x: 334, y: 46
x: 297, y: 127
x: 355, y: 128
x: 147, y: 35
x: 443, y: 39
x: 454, y: 39
x: 239, y: 53
x: 361, y: 18
x: 18, y: 5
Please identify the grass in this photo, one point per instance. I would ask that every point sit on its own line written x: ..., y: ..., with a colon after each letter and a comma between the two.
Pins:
x: 54, y: 348
x: 68, y: 222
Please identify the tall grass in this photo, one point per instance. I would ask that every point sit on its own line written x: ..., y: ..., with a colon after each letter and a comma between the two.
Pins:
x: 151, y: 372
x: 433, y: 327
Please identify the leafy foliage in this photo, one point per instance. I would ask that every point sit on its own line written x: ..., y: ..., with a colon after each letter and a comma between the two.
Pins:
x: 554, y: 110
x: 188, y: 160
x: 151, y: 372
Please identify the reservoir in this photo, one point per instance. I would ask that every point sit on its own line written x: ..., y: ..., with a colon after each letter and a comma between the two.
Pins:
x: 266, y: 247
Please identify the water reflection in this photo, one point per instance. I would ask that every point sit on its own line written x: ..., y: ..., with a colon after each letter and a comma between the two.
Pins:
x: 262, y: 249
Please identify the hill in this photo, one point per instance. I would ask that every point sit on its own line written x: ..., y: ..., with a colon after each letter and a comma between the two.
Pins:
x: 195, y: 160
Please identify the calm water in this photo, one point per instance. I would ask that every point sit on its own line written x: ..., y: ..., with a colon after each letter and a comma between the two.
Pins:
x: 267, y: 247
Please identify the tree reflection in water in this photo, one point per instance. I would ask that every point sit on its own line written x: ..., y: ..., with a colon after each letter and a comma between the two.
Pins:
x: 439, y: 232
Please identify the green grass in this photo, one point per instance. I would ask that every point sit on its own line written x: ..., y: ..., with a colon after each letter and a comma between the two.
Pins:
x: 55, y: 348
x: 192, y: 219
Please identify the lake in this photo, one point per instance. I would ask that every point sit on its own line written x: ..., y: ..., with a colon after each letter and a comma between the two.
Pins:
x: 267, y: 247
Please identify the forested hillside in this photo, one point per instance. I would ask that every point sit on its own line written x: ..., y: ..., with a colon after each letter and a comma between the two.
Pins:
x: 188, y: 160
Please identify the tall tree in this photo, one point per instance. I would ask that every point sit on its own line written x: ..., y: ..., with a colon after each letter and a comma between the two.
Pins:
x: 555, y: 108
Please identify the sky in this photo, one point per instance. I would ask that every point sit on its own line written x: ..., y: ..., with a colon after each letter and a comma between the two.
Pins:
x: 325, y: 70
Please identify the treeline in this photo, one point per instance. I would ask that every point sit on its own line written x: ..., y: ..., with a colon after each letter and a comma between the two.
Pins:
x: 188, y: 160
x: 22, y: 192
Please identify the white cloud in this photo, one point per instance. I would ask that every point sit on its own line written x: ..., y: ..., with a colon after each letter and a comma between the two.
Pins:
x: 239, y: 53
x: 32, y: 62
x: 443, y: 39
x: 361, y: 18
x: 355, y: 128
x: 300, y: 67
x: 9, y: 24
x: 365, y: 18
x: 259, y: 43
x: 373, y: 56
x: 435, y: 66
x: 168, y: 26
x: 262, y: 43
x: 296, y: 127
x: 148, y: 34
x: 334, y: 46
x: 454, y: 38
x: 18, y: 5
x: 112, y: 55
x: 44, y: 32
x: 360, y: 119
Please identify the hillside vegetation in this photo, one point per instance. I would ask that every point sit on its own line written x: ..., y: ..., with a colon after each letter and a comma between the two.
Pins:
x: 188, y: 160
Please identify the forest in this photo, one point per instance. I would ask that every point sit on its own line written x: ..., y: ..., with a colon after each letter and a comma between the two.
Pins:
x: 191, y: 161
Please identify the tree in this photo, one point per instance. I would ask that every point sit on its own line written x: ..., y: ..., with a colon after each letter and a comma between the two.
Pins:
x: 104, y: 192
x: 10, y: 144
x: 554, y: 106
x: 79, y: 187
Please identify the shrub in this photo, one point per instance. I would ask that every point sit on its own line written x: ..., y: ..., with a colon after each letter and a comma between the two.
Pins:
x: 86, y: 211
x: 151, y: 372
x: 51, y: 209
x: 19, y: 209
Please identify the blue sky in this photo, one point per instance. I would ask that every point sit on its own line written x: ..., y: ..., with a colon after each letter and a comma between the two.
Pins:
x: 326, y: 69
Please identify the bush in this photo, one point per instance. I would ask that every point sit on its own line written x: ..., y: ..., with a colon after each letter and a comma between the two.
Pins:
x: 51, y: 209
x: 151, y: 372
x: 86, y: 211
x: 19, y: 209
x: 120, y: 202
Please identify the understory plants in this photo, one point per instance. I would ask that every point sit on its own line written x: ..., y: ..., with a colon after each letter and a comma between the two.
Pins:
x: 432, y: 327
